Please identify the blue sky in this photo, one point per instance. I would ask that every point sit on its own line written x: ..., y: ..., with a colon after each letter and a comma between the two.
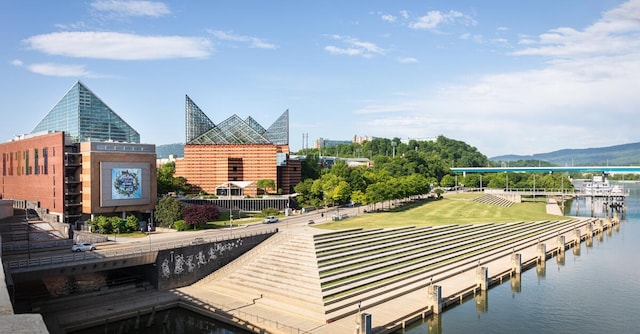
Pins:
x: 518, y: 77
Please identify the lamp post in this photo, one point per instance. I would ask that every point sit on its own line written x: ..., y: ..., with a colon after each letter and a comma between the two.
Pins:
x: 230, y: 206
x: 26, y: 219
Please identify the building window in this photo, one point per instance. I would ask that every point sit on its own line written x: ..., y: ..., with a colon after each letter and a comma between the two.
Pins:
x: 45, y: 156
x: 19, y: 163
x: 36, y: 166
x: 4, y: 164
x: 27, y: 167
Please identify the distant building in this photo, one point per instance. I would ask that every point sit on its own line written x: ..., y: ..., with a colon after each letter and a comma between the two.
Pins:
x: 407, y: 140
x: 80, y: 160
x: 322, y: 143
x: 234, y: 155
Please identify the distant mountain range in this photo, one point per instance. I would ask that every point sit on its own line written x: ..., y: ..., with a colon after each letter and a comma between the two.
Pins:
x: 619, y: 155
x: 163, y: 151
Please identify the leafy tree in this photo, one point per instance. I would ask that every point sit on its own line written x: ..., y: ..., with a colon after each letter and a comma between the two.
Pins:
x: 310, y: 166
x: 358, y: 197
x: 167, y: 182
x: 266, y: 185
x: 168, y: 210
x: 131, y: 224
x: 448, y: 181
x: 196, y: 215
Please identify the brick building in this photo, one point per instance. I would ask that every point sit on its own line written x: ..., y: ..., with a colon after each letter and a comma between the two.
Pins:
x: 82, y: 159
x: 235, y: 154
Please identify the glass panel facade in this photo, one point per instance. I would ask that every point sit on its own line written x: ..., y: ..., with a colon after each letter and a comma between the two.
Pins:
x: 84, y: 117
x: 233, y: 130
x: 197, y: 122
x: 278, y: 132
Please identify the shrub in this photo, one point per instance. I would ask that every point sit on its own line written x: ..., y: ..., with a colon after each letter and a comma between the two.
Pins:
x: 270, y: 212
x: 180, y: 225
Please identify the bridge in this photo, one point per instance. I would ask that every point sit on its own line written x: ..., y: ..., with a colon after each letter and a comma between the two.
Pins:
x: 577, y: 169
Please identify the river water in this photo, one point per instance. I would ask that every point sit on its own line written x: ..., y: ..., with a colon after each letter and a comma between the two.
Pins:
x: 595, y: 290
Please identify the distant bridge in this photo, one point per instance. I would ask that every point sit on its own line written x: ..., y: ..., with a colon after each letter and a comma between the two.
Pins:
x: 579, y: 169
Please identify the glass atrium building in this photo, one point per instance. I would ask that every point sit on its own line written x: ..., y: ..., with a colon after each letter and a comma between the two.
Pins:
x: 85, y: 118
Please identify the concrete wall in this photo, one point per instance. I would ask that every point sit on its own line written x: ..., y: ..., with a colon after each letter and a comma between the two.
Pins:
x: 16, y: 323
x: 186, y: 265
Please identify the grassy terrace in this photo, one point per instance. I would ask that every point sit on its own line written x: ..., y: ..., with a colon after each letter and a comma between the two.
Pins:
x: 452, y: 209
x: 374, y: 258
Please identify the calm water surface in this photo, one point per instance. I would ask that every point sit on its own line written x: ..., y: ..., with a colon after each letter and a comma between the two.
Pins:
x: 595, y: 290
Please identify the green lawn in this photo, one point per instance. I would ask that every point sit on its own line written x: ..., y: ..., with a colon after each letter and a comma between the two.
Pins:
x: 452, y: 209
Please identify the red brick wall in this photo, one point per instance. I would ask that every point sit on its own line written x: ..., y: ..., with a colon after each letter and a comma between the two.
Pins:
x: 19, y: 181
x: 208, y: 166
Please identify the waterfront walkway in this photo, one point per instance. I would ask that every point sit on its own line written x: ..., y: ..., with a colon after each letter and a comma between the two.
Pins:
x: 457, y: 282
x: 215, y: 294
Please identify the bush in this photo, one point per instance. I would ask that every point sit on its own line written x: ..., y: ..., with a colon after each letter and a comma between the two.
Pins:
x: 270, y: 212
x: 180, y: 225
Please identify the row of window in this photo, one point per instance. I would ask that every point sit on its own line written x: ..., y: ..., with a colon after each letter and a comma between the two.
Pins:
x: 23, y: 164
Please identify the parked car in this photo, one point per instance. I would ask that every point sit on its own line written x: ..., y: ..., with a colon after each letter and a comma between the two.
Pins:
x: 197, y: 241
x: 83, y: 247
x: 270, y: 219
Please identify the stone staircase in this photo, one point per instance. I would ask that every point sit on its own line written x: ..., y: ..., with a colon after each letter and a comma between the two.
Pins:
x: 284, y: 276
x: 494, y: 200
x: 324, y: 275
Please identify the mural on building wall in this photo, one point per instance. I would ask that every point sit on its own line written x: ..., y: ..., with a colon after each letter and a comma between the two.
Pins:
x: 184, y: 262
x: 126, y: 183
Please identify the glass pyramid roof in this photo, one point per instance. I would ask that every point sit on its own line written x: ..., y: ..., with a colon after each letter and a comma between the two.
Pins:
x: 84, y: 117
x: 233, y: 130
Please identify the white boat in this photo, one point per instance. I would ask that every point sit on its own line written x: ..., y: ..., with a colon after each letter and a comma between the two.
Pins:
x: 599, y: 186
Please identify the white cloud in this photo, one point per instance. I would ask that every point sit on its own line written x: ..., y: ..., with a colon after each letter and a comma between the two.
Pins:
x: 131, y: 8
x: 253, y: 42
x: 388, y: 18
x: 435, y: 18
x: 17, y: 63
x: 583, y: 96
x: 334, y: 50
x: 404, y: 14
x: 407, y: 60
x: 59, y: 70
x: 354, y: 47
x: 616, y: 32
x: 119, y: 46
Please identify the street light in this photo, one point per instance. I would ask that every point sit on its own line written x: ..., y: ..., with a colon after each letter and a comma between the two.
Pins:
x: 26, y: 217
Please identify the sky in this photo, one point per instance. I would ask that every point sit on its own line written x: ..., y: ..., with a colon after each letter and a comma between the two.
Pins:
x: 507, y: 77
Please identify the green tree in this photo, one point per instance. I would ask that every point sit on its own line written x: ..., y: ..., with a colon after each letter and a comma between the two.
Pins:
x: 448, y: 181
x: 310, y: 166
x: 131, y: 224
x: 266, y: 185
x: 168, y: 210
x: 167, y: 182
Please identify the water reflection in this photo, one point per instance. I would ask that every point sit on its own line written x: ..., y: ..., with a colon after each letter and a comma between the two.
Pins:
x: 516, y: 283
x: 434, y: 324
x: 541, y: 269
x: 482, y: 301
x: 560, y: 259
x: 576, y: 249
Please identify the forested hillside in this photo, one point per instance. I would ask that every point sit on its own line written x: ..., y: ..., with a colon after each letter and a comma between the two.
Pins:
x: 619, y: 155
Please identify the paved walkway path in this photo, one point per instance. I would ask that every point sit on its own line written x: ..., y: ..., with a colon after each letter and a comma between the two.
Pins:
x: 384, y: 316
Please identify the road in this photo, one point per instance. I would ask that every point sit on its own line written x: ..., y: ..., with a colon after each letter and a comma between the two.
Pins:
x: 165, y: 238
